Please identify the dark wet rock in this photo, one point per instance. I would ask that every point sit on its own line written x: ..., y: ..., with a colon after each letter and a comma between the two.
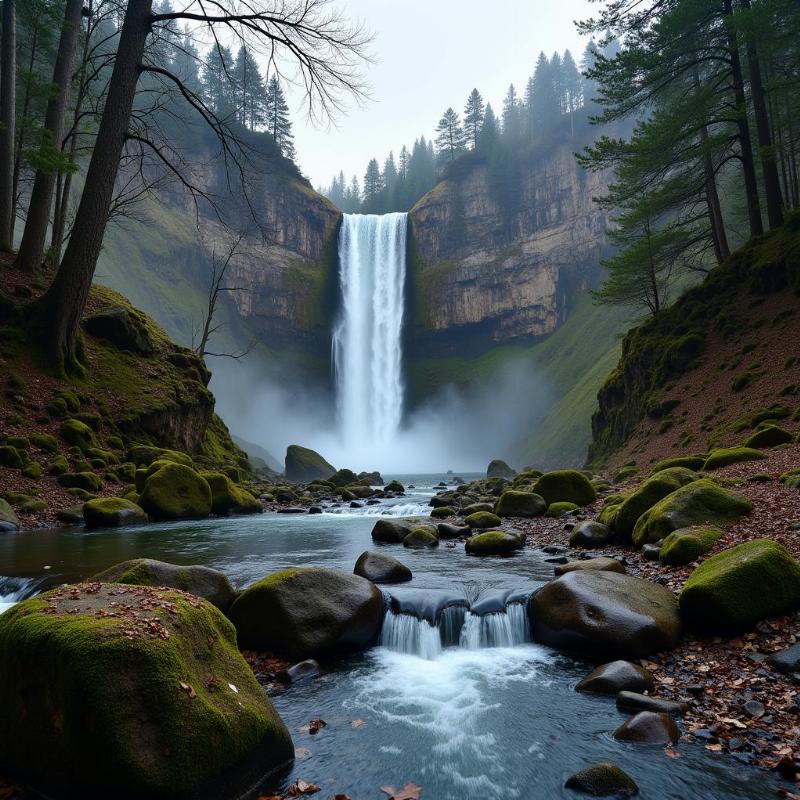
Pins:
x: 560, y: 561
x: 787, y: 660
x: 590, y: 534
x: 380, y: 568
x: 121, y: 327
x: 427, y: 604
x: 493, y: 543
x: 421, y: 538
x: 292, y: 510
x: 554, y: 549
x: 602, y: 563
x: 499, y: 469
x: 303, y: 465
x: 447, y: 530
x: 70, y: 516
x: 393, y: 530
x: 635, y: 701
x: 356, y: 504
x: 314, y: 510
x: 754, y: 709
x: 605, y: 614
x: 8, y: 519
x: 474, y: 508
x: 616, y: 677
x: 302, y: 671
x: 648, y: 727
x: 603, y: 780
x: 651, y: 552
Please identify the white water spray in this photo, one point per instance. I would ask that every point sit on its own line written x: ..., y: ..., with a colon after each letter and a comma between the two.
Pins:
x: 367, y: 351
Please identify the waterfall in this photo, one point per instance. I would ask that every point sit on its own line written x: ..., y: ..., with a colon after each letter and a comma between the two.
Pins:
x: 367, y: 351
x: 14, y: 590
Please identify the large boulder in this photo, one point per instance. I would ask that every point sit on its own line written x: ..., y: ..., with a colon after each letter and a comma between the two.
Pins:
x: 732, y: 455
x: 694, y: 504
x: 589, y: 534
x: 308, y: 612
x: 602, y: 563
x: 494, y: 543
x: 176, y: 492
x: 514, y: 503
x: 687, y: 544
x: 380, y: 568
x: 210, y: 584
x: 603, y: 780
x: 8, y: 519
x: 392, y: 530
x: 731, y: 591
x: 647, y: 494
x: 303, y: 465
x: 769, y: 436
x: 565, y: 486
x: 648, y: 727
x: 420, y: 539
x: 122, y: 328
x: 228, y: 498
x: 112, y: 512
x: 605, y: 614
x: 136, y: 692
x: 499, y: 469
x: 482, y: 520
x: 616, y: 677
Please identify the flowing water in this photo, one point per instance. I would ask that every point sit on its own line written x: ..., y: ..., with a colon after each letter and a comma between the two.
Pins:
x: 454, y: 697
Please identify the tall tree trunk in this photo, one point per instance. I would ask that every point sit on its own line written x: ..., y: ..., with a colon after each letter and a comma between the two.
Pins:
x: 745, y: 143
x: 61, y: 307
x: 31, y: 248
x: 8, y: 85
x: 769, y: 169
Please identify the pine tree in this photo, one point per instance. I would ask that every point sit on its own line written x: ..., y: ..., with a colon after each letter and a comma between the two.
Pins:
x: 557, y: 77
x: 572, y: 88
x: 277, y: 118
x: 489, y: 130
x: 512, y: 117
x: 473, y: 118
x: 373, y: 188
x: 251, y: 98
x: 449, y: 136
x: 218, y: 84
x: 545, y: 102
x: 390, y: 185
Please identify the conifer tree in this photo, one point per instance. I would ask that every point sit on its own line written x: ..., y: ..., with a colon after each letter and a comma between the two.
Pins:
x: 489, y: 130
x: 449, y: 136
x: 218, y: 83
x: 373, y: 188
x: 251, y: 98
x: 277, y: 118
x: 473, y: 118
x: 512, y: 117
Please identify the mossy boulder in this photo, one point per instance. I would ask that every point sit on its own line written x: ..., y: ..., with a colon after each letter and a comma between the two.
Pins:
x: 647, y: 494
x: 731, y: 455
x: 514, y: 503
x: 32, y: 470
x: 176, y: 492
x: 303, y: 465
x: 499, y: 469
x: 395, y: 486
x: 696, y: 503
x: 77, y: 433
x: 380, y: 568
x: 567, y: 486
x: 733, y: 590
x: 693, y: 463
x: 210, y: 584
x: 603, y: 780
x: 58, y: 465
x: 605, y: 614
x: 45, y: 442
x: 443, y: 512
x: 482, y: 520
x: 589, y: 534
x: 228, y: 498
x: 474, y: 508
x: 494, y: 543
x: 683, y: 546
x: 143, y: 455
x: 8, y: 519
x: 556, y: 510
x: 308, y: 613
x: 112, y: 512
x: 121, y: 327
x: 769, y: 436
x: 420, y: 538
x: 392, y: 530
x: 88, y: 481
x: 601, y: 563
x: 126, y: 698
x: 10, y: 457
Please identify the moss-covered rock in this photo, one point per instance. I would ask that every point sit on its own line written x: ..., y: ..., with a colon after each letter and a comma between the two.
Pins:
x: 565, y: 486
x: 58, y: 465
x: 601, y: 563
x: 556, y: 510
x: 127, y: 698
x: 210, y: 584
x: 731, y: 455
x: 499, y: 469
x: 624, y: 473
x: 603, y: 780
x: 77, y: 433
x: 395, y: 486
x: 731, y: 591
x: 380, y: 568
x: 696, y: 503
x: 308, y: 613
x: 32, y: 470
x: 122, y: 328
x: 647, y: 494
x: 493, y: 543
x: 227, y: 498
x: 45, y: 442
x: 176, y: 492
x: 392, y: 530
x: 88, y: 481
x: 769, y: 436
x: 420, y: 538
x: 693, y: 463
x: 112, y: 512
x: 303, y: 465
x: 10, y: 457
x: 514, y: 503
x: 791, y: 479
x: 688, y: 544
x: 8, y: 519
x: 482, y: 520
x: 443, y: 512
x: 143, y: 455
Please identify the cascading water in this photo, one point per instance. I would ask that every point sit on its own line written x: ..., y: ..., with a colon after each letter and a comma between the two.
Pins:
x: 367, y: 351
x: 14, y: 590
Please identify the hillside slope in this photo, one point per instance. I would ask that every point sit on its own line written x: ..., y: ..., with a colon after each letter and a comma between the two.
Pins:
x: 707, y: 371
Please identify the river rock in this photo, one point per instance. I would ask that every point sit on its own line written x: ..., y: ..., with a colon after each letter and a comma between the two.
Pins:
x: 494, y: 543
x: 112, y: 512
x: 589, y: 534
x: 648, y: 727
x: 175, y: 491
x: 205, y: 582
x: 787, y: 660
x: 565, y: 486
x: 683, y: 546
x: 308, y: 613
x: 475, y: 508
x: 447, y: 530
x: 301, y: 671
x: 303, y: 465
x: 421, y: 538
x: 392, y: 530
x: 8, y: 519
x: 615, y: 677
x: 603, y: 780
x: 635, y: 701
x: 130, y: 706
x: 514, y: 503
x: 380, y: 568
x: 482, y: 520
x: 601, y: 563
x: 228, y: 498
x: 605, y: 614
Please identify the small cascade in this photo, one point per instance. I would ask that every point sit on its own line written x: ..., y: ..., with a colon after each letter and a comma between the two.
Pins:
x: 14, y: 590
x: 498, y: 629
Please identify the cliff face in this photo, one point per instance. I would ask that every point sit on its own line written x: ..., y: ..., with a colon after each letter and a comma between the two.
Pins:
x: 484, y: 275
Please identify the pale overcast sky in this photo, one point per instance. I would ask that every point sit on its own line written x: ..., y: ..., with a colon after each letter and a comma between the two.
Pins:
x: 429, y: 55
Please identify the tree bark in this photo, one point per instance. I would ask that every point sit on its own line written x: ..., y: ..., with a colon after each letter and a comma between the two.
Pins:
x: 31, y: 249
x: 61, y: 308
x: 745, y: 143
x: 8, y: 81
x: 769, y: 169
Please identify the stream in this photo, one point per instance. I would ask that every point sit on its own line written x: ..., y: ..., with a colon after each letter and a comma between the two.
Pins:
x: 460, y: 703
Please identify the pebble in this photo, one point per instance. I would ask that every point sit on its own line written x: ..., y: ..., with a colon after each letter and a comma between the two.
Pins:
x: 754, y: 709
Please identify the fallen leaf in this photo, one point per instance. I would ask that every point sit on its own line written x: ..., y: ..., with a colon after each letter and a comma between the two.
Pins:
x: 187, y: 687
x: 300, y: 787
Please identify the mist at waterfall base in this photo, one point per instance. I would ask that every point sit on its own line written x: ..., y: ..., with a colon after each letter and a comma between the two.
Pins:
x: 364, y: 426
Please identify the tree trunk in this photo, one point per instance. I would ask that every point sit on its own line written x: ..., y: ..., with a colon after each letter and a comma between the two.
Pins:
x: 769, y: 169
x: 31, y: 249
x: 8, y: 82
x: 61, y: 308
x: 745, y: 144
